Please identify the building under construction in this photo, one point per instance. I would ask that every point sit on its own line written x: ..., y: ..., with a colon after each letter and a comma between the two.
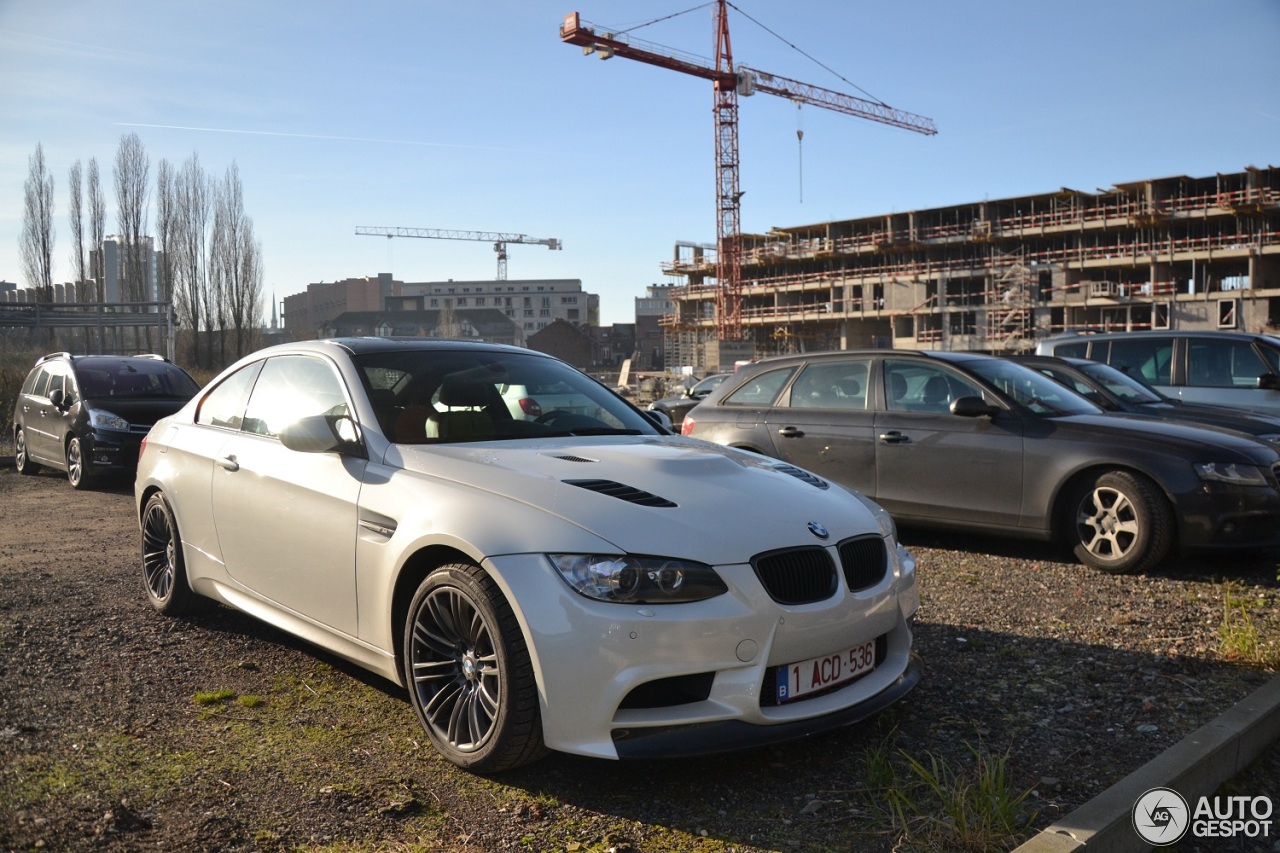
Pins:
x: 996, y: 275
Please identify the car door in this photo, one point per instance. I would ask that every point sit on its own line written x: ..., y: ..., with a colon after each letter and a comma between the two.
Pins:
x: 286, y: 521
x: 825, y: 424
x: 934, y: 465
x: 1225, y: 372
x: 46, y: 423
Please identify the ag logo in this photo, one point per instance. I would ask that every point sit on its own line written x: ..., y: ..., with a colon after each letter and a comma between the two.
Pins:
x: 1161, y: 816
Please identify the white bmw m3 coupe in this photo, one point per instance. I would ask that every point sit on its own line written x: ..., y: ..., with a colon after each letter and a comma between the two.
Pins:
x: 585, y: 583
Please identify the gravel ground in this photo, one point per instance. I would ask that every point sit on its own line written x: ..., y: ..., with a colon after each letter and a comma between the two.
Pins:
x: 123, y: 730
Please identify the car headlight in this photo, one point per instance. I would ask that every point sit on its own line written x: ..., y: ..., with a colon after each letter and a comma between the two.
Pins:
x: 627, y: 579
x: 1230, y: 472
x: 102, y: 419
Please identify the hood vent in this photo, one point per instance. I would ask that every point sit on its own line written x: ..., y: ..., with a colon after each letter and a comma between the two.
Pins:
x: 622, y: 492
x: 800, y: 474
x: 571, y: 458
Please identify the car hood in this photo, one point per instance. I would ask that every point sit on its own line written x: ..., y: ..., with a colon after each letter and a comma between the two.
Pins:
x: 1213, y: 415
x: 1214, y: 443
x: 663, y: 494
x: 141, y: 411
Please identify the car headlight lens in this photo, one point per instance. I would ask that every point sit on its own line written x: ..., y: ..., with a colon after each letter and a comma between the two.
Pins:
x: 102, y: 419
x: 628, y: 579
x: 1230, y: 472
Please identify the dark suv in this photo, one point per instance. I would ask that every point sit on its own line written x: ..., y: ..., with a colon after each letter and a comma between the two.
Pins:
x: 87, y: 414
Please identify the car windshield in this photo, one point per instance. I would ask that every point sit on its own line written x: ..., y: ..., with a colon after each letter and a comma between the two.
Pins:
x: 1031, y: 388
x: 439, y: 396
x: 1121, y: 384
x: 132, y: 377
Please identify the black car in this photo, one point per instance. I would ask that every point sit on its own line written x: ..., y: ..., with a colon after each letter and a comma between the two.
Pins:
x: 1117, y: 391
x: 677, y: 407
x: 980, y: 443
x: 87, y: 414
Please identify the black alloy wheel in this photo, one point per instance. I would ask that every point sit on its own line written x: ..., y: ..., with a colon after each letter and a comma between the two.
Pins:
x: 163, y: 569
x: 468, y: 671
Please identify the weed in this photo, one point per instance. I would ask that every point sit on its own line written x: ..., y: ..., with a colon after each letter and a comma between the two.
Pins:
x: 1238, y: 634
x: 935, y: 806
x: 214, y: 697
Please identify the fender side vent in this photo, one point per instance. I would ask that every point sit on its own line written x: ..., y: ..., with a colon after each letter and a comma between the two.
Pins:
x: 622, y: 492
x: 800, y: 474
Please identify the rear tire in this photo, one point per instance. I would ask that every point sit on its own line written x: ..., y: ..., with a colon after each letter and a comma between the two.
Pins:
x: 468, y: 671
x: 1121, y: 523
x: 21, y: 458
x: 164, y: 571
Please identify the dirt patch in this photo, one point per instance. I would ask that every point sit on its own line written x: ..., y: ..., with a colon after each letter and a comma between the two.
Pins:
x: 124, y: 730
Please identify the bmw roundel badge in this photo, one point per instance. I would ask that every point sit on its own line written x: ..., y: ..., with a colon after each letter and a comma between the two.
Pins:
x: 818, y: 530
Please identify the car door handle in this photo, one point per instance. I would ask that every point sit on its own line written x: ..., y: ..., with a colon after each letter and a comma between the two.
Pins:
x: 229, y: 463
x: 893, y: 437
x: 791, y: 432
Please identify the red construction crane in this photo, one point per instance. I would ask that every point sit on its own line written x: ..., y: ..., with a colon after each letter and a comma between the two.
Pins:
x: 728, y: 83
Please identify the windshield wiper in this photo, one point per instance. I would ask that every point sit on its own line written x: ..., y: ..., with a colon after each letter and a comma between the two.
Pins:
x: 587, y: 431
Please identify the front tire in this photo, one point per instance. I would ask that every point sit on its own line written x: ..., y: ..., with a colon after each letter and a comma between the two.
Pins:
x: 21, y: 457
x: 1121, y: 523
x: 468, y: 671
x: 77, y: 465
x: 164, y: 571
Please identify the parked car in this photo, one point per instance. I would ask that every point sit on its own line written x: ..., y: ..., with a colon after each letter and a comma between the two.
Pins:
x: 531, y: 402
x: 1116, y: 391
x: 975, y: 442
x: 87, y: 414
x: 590, y: 584
x: 676, y: 407
x: 1233, y: 369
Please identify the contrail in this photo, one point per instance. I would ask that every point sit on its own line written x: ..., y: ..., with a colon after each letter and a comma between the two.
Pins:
x: 312, y: 136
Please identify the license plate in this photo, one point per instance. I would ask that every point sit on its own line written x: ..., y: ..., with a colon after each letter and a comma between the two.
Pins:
x: 800, y: 679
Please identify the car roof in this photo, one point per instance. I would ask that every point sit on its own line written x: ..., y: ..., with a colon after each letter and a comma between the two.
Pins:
x: 359, y: 346
x: 956, y: 357
x: 1168, y: 333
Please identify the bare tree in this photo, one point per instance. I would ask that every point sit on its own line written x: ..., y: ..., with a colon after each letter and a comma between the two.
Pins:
x: 97, y: 230
x: 132, y: 177
x: 191, y: 213
x: 76, y: 215
x: 37, y: 226
x: 166, y: 226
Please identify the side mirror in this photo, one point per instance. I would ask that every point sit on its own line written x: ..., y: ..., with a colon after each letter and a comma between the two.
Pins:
x: 320, y: 434
x: 660, y: 418
x: 57, y: 398
x: 1269, y: 382
x: 972, y: 407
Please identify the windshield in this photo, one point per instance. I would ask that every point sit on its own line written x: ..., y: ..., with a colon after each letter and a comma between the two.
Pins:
x: 133, y: 377
x: 1031, y: 388
x: 439, y: 396
x: 1121, y: 384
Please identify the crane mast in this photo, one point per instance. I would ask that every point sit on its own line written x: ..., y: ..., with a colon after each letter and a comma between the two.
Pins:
x: 498, y: 238
x: 727, y: 84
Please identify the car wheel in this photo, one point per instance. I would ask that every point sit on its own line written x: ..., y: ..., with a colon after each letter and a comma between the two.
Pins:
x: 164, y: 571
x: 468, y: 672
x: 1121, y: 523
x: 77, y: 465
x: 21, y: 459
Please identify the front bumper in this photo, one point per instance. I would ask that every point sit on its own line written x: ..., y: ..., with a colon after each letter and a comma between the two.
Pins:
x: 1223, y: 516
x: 619, y: 680
x: 113, y: 451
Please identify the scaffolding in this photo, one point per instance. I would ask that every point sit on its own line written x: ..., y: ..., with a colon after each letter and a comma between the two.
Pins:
x: 998, y: 275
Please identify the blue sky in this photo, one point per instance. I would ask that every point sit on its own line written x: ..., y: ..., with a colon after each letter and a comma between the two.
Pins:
x: 474, y: 116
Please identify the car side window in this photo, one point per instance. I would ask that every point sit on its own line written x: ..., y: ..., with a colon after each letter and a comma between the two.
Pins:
x: 224, y: 405
x: 914, y: 387
x: 40, y: 388
x: 1150, y: 359
x: 291, y: 387
x: 838, y: 385
x: 1223, y: 364
x: 1075, y: 349
x: 760, y: 390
